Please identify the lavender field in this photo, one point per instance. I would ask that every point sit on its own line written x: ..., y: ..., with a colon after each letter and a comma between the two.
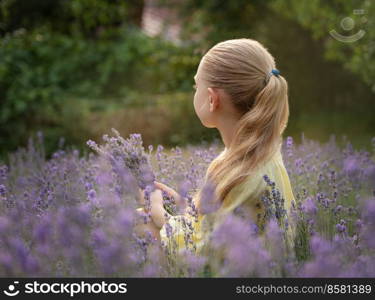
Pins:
x: 74, y: 214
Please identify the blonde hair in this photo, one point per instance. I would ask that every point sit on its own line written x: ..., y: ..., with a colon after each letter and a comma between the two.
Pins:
x: 241, y: 67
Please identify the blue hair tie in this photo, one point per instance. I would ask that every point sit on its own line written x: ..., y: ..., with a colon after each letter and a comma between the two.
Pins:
x: 275, y: 72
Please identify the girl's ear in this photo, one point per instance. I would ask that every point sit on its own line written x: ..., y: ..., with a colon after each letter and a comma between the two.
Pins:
x: 213, y: 99
x: 211, y: 104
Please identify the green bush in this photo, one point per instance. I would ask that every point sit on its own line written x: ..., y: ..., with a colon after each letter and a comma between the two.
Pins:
x: 167, y: 119
x: 40, y: 70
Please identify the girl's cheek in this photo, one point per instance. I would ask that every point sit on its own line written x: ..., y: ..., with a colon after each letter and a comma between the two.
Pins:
x: 196, y: 100
x: 197, y: 108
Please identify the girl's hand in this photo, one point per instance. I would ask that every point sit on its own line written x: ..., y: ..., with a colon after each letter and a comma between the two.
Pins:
x: 171, y: 192
x: 141, y: 228
x: 157, y: 209
x: 161, y: 186
x: 179, y: 200
x: 154, y: 200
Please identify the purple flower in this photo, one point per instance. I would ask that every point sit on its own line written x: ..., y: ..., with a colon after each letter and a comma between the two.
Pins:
x: 309, y: 206
x: 72, y: 214
x: 3, y: 190
x: 289, y: 146
x: 370, y: 173
x: 352, y: 166
x: 340, y: 228
x: 337, y: 209
x: 91, y: 194
x: 88, y: 186
x: 359, y: 224
x: 7, y: 262
x: 43, y: 231
x: 5, y: 224
x: 209, y: 202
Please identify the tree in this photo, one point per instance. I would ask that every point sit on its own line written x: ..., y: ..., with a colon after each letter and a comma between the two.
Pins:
x: 322, y: 17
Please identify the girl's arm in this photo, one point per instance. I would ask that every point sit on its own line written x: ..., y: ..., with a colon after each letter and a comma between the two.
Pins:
x: 158, y: 213
x: 141, y: 228
x: 178, y: 198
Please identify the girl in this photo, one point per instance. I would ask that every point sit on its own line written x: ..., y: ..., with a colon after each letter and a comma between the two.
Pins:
x: 240, y: 92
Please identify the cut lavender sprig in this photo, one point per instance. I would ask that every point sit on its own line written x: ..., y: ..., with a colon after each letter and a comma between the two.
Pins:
x: 130, y: 152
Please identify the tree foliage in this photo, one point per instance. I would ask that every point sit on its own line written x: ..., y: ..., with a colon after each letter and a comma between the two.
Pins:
x: 320, y: 17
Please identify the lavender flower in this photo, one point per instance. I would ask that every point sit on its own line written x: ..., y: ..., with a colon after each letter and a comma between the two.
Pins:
x: 128, y: 152
x: 73, y: 214
x: 209, y: 202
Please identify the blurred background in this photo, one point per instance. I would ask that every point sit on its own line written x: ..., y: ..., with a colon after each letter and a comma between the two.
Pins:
x: 75, y: 68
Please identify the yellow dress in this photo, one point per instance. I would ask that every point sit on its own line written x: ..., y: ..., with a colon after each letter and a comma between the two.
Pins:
x: 186, y: 232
